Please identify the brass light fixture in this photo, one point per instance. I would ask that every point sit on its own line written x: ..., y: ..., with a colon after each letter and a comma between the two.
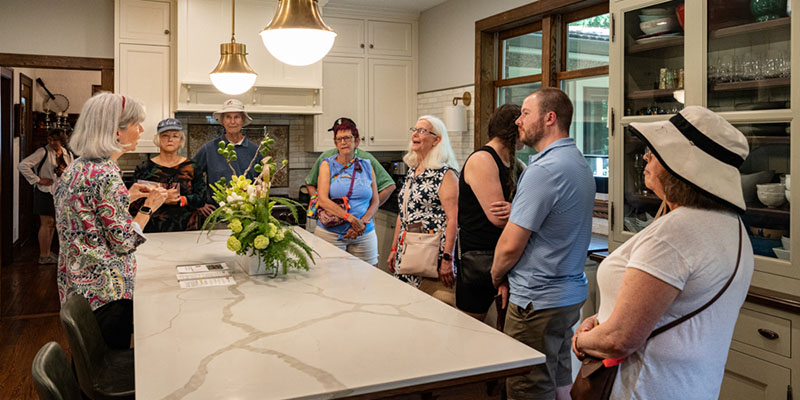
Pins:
x: 233, y: 74
x: 297, y: 35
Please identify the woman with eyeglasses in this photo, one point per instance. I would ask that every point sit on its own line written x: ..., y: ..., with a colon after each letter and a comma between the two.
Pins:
x: 186, y: 190
x: 350, y: 180
x: 429, y: 204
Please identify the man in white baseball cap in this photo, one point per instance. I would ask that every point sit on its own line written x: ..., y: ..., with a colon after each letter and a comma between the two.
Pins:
x: 233, y: 118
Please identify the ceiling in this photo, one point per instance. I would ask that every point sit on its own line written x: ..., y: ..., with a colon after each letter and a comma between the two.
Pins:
x: 413, y: 6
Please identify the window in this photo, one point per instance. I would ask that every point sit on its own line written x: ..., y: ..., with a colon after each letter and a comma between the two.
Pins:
x: 579, y: 68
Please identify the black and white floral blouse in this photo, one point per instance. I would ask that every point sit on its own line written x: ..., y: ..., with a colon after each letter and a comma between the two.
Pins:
x: 424, y: 206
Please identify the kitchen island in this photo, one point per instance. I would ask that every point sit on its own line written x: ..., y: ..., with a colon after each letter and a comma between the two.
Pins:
x: 342, y: 329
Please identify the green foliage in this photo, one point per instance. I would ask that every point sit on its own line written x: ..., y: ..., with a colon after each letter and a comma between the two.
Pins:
x: 246, y: 207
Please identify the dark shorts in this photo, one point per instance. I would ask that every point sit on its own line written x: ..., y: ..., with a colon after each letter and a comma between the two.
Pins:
x: 43, y: 203
x: 116, y: 323
x: 550, y: 332
x: 474, y: 290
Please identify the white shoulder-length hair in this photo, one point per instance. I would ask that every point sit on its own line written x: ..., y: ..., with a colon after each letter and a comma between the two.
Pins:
x: 95, y: 134
x: 440, y: 155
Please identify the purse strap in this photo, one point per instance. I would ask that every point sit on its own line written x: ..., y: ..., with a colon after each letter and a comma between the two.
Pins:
x: 405, y: 196
x: 719, y: 294
x: 356, y: 167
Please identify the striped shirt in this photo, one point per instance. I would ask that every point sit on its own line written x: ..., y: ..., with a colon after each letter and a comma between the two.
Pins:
x: 555, y: 196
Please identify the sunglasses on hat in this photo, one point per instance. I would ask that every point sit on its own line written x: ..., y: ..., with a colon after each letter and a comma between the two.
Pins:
x: 341, y: 121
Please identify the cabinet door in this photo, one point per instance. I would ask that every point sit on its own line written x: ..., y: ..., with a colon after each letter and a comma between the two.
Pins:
x: 144, y: 75
x: 389, y: 38
x: 392, y: 103
x: 349, y: 36
x: 143, y: 21
x: 343, y: 95
x: 750, y: 378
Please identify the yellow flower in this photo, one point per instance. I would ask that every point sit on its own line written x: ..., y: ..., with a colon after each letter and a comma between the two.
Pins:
x: 235, y: 225
x: 234, y: 244
x: 279, y: 236
x: 261, y: 242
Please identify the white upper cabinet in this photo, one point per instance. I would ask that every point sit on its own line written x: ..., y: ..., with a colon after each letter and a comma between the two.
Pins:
x: 144, y: 75
x: 205, y: 24
x: 349, y: 36
x: 144, y: 22
x: 389, y: 38
x: 391, y: 103
x: 344, y: 96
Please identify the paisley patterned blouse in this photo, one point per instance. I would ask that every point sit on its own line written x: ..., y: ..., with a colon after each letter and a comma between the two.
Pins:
x: 96, y: 233
x: 424, y: 206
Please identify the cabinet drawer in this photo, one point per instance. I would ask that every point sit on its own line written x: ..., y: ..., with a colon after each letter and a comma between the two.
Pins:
x: 764, y: 331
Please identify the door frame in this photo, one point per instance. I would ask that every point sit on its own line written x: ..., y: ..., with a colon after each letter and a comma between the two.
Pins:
x: 6, y: 164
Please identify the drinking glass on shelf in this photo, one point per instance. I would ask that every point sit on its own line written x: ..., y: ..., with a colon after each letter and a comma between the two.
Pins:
x: 784, y: 65
x: 725, y: 71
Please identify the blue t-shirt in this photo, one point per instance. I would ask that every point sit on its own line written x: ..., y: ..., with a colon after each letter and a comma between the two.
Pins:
x: 555, y: 197
x: 215, y: 166
x: 362, y: 191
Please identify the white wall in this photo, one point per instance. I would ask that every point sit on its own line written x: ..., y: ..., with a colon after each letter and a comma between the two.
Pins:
x: 76, y: 28
x: 447, y: 41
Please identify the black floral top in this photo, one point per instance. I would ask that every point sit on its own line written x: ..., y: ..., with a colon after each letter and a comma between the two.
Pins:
x: 424, y: 206
x: 173, y: 217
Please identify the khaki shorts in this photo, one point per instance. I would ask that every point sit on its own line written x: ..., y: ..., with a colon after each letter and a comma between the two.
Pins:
x: 438, y: 290
x: 550, y: 332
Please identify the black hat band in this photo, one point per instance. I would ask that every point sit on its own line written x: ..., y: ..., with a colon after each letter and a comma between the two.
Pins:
x: 704, y: 143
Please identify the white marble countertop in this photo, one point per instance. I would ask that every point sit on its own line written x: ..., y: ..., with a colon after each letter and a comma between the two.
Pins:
x: 344, y: 328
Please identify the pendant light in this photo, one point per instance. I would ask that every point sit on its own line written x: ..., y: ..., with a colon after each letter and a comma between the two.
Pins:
x: 297, y: 35
x: 233, y: 74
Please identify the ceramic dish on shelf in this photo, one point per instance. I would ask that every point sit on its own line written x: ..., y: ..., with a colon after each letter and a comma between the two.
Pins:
x: 787, y: 243
x: 667, y: 24
x: 771, y: 199
x: 770, y: 187
x: 788, y: 196
x: 656, y: 11
x: 783, y: 254
x: 656, y: 37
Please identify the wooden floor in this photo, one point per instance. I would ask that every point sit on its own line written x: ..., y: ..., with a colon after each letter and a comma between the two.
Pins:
x: 28, y: 320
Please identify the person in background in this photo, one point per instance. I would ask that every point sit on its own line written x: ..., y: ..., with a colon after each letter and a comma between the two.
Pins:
x: 187, y: 191
x: 42, y: 169
x: 97, y: 234
x: 676, y: 265
x: 384, y: 181
x: 486, y: 187
x: 431, y: 190
x: 213, y: 165
x: 542, y: 251
x: 337, y: 174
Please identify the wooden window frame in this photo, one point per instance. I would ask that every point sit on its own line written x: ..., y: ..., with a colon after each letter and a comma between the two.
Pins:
x: 550, y: 16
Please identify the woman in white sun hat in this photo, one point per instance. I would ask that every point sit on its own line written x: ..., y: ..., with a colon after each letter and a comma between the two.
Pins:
x: 694, y: 257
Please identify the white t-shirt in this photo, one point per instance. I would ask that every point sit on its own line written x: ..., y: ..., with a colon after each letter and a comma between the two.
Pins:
x: 694, y: 251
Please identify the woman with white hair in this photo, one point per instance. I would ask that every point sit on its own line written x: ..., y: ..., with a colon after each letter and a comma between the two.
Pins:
x: 429, y: 204
x: 96, y: 232
x: 186, y: 189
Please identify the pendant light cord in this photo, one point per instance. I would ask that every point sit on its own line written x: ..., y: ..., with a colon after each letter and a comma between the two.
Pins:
x: 233, y: 21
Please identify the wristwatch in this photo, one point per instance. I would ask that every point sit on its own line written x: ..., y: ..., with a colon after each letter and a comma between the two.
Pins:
x: 447, y: 257
x: 146, y: 210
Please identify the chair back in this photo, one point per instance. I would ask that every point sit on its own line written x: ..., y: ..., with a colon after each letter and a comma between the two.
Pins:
x: 52, y: 374
x: 85, y: 340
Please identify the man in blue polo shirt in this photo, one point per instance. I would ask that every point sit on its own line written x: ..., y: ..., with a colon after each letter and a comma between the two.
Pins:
x: 233, y: 118
x: 540, y: 256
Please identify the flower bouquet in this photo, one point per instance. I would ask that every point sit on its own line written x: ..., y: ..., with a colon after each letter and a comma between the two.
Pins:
x: 246, y: 207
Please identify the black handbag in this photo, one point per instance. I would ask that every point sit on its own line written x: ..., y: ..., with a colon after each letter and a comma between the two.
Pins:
x: 595, y: 380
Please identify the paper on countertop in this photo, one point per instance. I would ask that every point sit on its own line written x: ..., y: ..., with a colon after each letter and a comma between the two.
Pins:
x: 196, y: 283
x: 219, y: 273
x: 182, y: 269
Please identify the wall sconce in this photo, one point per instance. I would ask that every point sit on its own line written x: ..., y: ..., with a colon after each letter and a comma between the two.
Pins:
x: 233, y: 74
x: 297, y: 35
x: 455, y: 116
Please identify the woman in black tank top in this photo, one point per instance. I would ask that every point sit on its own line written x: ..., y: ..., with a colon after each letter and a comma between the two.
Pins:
x: 486, y: 187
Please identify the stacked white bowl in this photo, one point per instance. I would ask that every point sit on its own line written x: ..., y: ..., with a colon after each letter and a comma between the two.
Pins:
x: 788, y: 187
x: 771, y: 195
x: 783, y: 252
x: 658, y: 20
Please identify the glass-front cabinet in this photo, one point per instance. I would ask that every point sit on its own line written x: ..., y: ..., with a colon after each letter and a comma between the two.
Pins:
x: 734, y: 57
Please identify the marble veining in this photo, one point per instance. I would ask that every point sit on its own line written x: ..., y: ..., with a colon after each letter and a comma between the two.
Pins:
x: 342, y: 328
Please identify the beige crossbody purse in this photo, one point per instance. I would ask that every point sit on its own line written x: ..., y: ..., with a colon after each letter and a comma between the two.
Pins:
x: 420, y: 251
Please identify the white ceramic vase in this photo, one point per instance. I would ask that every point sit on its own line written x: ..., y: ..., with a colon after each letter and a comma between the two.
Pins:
x: 254, y: 265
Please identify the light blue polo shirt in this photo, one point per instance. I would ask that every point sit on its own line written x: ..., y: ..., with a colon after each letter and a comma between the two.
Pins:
x: 554, y: 200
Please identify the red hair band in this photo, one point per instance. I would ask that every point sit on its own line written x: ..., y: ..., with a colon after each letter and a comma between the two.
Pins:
x: 123, y: 102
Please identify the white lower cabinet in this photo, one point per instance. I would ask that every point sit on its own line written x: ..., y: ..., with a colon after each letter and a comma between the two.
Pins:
x: 144, y: 75
x: 761, y: 364
x: 385, y: 222
x: 750, y: 378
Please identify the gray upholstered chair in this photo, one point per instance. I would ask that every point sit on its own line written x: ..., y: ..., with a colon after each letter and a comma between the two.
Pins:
x: 103, y: 373
x: 52, y: 374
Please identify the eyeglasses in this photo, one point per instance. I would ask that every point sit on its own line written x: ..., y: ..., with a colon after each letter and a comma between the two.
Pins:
x: 343, y: 139
x: 164, y: 136
x: 422, y: 130
x: 647, y: 153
